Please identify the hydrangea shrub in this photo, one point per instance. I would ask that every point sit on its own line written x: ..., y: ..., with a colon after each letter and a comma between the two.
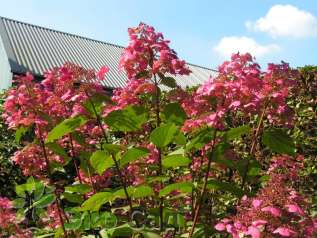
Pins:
x: 144, y: 162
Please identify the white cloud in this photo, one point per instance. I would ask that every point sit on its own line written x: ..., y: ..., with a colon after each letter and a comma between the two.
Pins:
x: 233, y: 44
x: 286, y: 20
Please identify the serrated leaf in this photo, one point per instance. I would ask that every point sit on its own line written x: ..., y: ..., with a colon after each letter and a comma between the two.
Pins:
x: 174, y: 161
x: 96, y: 201
x: 174, y: 113
x: 38, y: 190
x: 237, y: 132
x: 101, y: 161
x: 72, y: 197
x: 64, y: 128
x: 135, y: 192
x: 78, y: 188
x: 18, y: 203
x: 20, y: 190
x: 131, y: 118
x: 19, y: 133
x: 113, y: 148
x: 278, y: 141
x: 121, y: 231
x: 202, y: 138
x: 183, y: 187
x: 132, y: 155
x: 163, y: 135
x: 44, y: 201
x: 180, y: 138
x: 94, y: 104
x: 73, y: 224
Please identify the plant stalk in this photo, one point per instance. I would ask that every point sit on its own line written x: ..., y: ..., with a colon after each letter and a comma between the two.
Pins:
x: 119, y: 173
x: 203, y: 191
x: 59, y: 209
x: 158, y: 123
x: 253, y: 146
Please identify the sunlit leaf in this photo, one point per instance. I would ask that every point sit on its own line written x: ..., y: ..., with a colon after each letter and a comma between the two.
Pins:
x: 131, y: 118
x: 278, y: 141
x: 101, y: 161
x: 64, y: 128
x: 133, y: 154
x: 163, y: 135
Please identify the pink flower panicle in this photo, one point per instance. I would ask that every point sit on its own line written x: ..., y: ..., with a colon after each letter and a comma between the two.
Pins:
x: 59, y: 96
x: 241, y: 86
x: 148, y: 55
x: 7, y: 215
x: 276, y: 209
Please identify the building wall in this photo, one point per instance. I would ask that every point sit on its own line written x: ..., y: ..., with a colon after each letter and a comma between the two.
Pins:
x: 5, y: 70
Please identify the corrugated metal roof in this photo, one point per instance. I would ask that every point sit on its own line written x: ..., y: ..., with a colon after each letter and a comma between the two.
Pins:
x: 37, y: 49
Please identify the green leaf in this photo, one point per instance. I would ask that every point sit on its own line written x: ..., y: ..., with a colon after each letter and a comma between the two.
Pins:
x: 131, y: 118
x: 254, y: 168
x: 44, y: 201
x: 18, y: 203
x: 73, y: 224
x: 65, y: 127
x: 149, y: 234
x: 183, y: 187
x: 108, y: 220
x: 224, y: 186
x: 95, y: 102
x: 96, y: 201
x: 181, y: 220
x: 174, y: 161
x: 30, y: 184
x: 202, y: 138
x: 78, y: 138
x: 235, y: 133
x: 113, y: 148
x: 58, y: 233
x: 57, y: 149
x: 168, y: 81
x: 135, y: 192
x: 72, y: 197
x: 163, y: 135
x: 101, y: 161
x: 20, y: 190
x: 121, y: 231
x: 227, y: 162
x: 38, y: 190
x: 152, y: 179
x: 86, y: 223
x: 219, y: 150
x: 180, y: 138
x: 278, y: 141
x: 19, y: 133
x: 78, y: 188
x: 132, y: 155
x: 174, y: 113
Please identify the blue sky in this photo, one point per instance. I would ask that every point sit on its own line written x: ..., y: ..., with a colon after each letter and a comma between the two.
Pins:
x: 202, y: 32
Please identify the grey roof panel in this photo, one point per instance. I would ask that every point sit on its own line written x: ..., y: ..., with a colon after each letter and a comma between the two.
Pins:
x: 38, y: 49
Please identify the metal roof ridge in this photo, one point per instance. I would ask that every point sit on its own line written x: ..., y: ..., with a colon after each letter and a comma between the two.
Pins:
x: 62, y: 32
x: 88, y: 38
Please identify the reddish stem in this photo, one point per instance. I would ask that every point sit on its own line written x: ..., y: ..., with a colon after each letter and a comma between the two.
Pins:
x: 203, y: 191
x: 59, y: 209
